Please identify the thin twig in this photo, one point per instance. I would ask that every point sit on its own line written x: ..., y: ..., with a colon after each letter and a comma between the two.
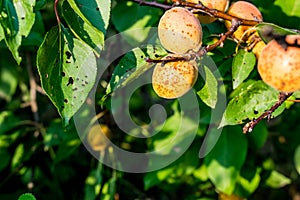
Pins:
x: 153, y: 4
x: 56, y: 12
x: 283, y: 96
x: 33, y: 86
x: 218, y: 14
x: 197, y: 8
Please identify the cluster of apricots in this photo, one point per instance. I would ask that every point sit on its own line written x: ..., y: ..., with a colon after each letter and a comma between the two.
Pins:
x: 180, y: 32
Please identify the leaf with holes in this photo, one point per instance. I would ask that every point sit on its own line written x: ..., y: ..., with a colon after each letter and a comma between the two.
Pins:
x: 67, y: 67
x: 133, y: 65
x: 17, y: 18
x: 249, y: 101
x: 242, y: 65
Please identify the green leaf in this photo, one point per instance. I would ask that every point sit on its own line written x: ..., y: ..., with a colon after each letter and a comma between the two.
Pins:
x: 226, y: 159
x: 83, y: 28
x: 17, y: 19
x: 297, y: 159
x: 18, y: 156
x: 8, y: 121
x: 132, y: 65
x: 67, y: 146
x: 67, y: 69
x: 93, y: 184
x: 289, y: 7
x: 264, y: 28
x: 248, y: 181
x: 36, y: 35
x: 8, y: 75
x: 249, y: 101
x: 258, y: 136
x: 242, y: 65
x: 209, y: 92
x: 27, y: 196
x: 5, y: 156
x: 93, y: 12
x: 127, y: 15
x: 277, y: 180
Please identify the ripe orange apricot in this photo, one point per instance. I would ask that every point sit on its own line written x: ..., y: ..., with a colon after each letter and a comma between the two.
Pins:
x: 180, y: 31
x: 244, y: 10
x: 174, y: 79
x: 258, y: 48
x: 279, y: 64
x: 97, y: 137
x: 212, y: 4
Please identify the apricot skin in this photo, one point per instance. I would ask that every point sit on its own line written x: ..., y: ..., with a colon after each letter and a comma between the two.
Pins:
x: 212, y: 4
x: 244, y: 10
x: 279, y: 65
x: 180, y: 31
x: 174, y: 79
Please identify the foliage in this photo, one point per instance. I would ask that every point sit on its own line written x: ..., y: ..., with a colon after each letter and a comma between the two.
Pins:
x: 50, y: 69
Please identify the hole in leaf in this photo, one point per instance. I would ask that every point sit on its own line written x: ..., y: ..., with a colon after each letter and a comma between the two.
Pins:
x: 47, y: 76
x: 68, y: 54
x: 255, y: 112
x: 86, y: 82
x: 22, y: 18
x: 82, y: 85
x: 97, y: 9
x: 75, y: 89
x: 68, y: 61
x: 66, y: 100
x: 63, y: 73
x: 71, y: 81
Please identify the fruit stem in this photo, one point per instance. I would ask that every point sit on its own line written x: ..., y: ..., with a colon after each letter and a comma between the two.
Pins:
x: 283, y: 96
x: 198, y: 8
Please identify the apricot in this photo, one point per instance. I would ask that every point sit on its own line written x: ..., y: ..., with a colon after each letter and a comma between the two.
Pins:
x: 98, y: 136
x: 258, y: 48
x: 279, y: 64
x: 244, y: 10
x: 212, y: 4
x: 180, y: 31
x: 174, y: 79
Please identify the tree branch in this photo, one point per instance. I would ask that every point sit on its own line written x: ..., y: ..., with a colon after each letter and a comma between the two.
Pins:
x: 283, y: 96
x: 197, y: 8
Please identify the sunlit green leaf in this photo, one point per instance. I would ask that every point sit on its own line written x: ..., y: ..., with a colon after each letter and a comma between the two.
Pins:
x: 277, y: 180
x: 209, y: 92
x: 242, y: 65
x: 91, y: 32
x: 27, y: 196
x: 249, y: 101
x: 247, y: 182
x: 297, y: 159
x: 67, y: 68
x: 18, y: 156
x: 17, y: 19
